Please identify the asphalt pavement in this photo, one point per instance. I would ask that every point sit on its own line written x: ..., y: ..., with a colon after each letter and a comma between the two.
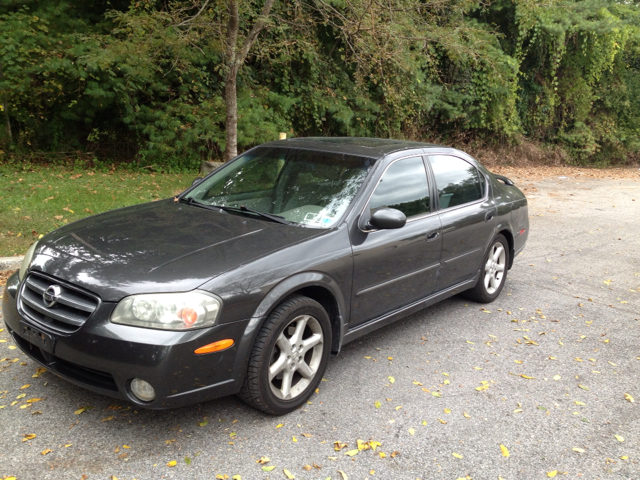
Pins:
x: 542, y: 383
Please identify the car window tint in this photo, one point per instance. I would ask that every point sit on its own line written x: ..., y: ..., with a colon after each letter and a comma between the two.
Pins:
x: 404, y: 187
x: 458, y: 181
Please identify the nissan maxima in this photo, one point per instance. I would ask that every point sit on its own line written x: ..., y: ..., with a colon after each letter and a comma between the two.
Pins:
x: 250, y: 280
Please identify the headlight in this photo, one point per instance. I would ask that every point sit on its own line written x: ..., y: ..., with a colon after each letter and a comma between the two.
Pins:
x: 168, y: 311
x: 27, y: 261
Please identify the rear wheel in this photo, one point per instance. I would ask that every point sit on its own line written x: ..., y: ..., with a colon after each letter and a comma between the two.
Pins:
x: 494, y: 273
x: 289, y: 357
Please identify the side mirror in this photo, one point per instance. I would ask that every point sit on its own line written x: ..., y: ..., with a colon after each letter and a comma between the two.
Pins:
x: 196, y: 181
x: 387, y: 219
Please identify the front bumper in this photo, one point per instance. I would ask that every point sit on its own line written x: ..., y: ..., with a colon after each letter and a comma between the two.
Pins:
x: 105, y: 357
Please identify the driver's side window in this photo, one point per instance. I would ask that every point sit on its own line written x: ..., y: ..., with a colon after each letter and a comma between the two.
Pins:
x: 403, y: 186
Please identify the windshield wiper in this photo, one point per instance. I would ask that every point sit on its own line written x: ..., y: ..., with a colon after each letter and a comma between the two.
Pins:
x: 268, y: 216
x: 240, y: 209
x: 195, y: 203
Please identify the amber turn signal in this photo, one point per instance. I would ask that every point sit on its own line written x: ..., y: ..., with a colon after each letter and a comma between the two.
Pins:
x: 215, y: 346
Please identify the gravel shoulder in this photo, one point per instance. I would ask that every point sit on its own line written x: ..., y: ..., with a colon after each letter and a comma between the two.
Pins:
x: 546, y: 372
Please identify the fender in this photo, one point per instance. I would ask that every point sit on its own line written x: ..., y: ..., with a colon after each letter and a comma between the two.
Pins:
x: 309, y: 279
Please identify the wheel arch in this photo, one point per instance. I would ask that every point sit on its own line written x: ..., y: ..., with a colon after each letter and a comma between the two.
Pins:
x: 317, y: 286
x: 506, y: 232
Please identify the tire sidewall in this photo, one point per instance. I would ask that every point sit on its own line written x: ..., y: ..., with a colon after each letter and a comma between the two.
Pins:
x: 490, y: 297
x: 306, y: 307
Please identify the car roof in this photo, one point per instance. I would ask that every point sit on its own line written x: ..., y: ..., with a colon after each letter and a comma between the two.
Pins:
x: 360, y: 146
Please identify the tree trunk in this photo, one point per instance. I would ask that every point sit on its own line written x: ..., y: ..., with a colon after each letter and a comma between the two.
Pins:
x: 235, y: 58
x: 6, y: 113
x: 231, y: 103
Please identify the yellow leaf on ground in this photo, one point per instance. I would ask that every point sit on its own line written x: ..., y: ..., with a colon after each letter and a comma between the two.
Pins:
x: 579, y: 450
x: 552, y: 473
x: 80, y: 410
x: 28, y: 436
x: 436, y: 394
x: 338, y: 445
x: 172, y: 463
x: 442, y: 421
x: 344, y: 475
x: 504, y: 450
x: 457, y: 455
x: 417, y: 383
x: 294, y: 439
x: 373, y: 444
x: 280, y: 425
x: 466, y: 415
x: 236, y: 477
x: 44, y: 452
x: 629, y: 398
x: 107, y: 419
x: 352, y: 453
x: 382, y: 454
x: 377, y: 404
x: 412, y: 431
x: 288, y: 474
x: 267, y: 468
x: 620, y: 438
x: 25, y: 386
x: 526, y: 376
x: 263, y: 460
x: 391, y: 379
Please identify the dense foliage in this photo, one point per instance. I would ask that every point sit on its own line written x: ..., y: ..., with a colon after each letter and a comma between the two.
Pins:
x: 144, y: 79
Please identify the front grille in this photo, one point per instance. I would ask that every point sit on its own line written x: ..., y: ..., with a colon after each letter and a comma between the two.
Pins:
x: 72, y: 309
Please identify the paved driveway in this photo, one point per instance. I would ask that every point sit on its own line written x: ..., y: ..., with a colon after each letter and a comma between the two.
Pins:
x: 533, y: 386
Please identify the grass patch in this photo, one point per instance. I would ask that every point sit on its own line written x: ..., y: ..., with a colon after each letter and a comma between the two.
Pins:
x: 36, y: 202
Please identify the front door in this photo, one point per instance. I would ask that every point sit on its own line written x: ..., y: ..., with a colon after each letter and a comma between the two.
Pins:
x: 393, y: 268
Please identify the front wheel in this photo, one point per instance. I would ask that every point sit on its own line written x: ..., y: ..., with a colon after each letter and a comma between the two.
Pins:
x: 289, y: 357
x: 493, y: 274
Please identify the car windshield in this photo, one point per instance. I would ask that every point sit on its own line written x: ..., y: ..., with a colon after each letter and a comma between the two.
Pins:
x: 306, y: 187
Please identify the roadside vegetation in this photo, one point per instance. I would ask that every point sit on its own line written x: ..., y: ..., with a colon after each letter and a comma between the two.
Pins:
x: 157, y: 82
x: 33, y: 202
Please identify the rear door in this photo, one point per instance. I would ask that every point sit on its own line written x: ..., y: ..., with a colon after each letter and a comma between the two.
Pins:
x: 467, y: 214
x: 393, y: 268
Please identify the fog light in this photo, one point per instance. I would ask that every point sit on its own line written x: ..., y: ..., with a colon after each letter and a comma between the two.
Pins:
x: 142, y: 390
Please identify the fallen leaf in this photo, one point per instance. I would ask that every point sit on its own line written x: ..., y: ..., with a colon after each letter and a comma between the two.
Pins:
x: 263, y: 460
x: 307, y: 467
x: 526, y: 376
x: 172, y: 463
x: 552, y: 473
x: 377, y: 404
x: 620, y: 438
x: 373, y: 444
x: 382, y: 454
x: 288, y: 474
x: 391, y: 380
x: 583, y: 387
x: 267, y: 468
x: 25, y: 386
x: 236, y: 477
x: 344, y: 475
x: 579, y: 450
x: 629, y: 398
x: 280, y: 425
x: 412, y: 431
x: 504, y: 450
x: 339, y: 446
x: 442, y: 421
x: 45, y: 452
x: 107, y: 419
x: 457, y: 455
x: 28, y: 436
x: 436, y: 394
x: 466, y: 415
x: 352, y: 453
x: 203, y: 423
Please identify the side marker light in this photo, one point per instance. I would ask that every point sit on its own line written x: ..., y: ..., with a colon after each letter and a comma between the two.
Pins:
x: 215, y: 346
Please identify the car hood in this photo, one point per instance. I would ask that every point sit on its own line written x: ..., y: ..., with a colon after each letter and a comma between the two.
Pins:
x: 164, y: 246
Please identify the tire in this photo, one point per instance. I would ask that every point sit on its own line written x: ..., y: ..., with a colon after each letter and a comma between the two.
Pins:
x: 295, y: 372
x: 494, y: 273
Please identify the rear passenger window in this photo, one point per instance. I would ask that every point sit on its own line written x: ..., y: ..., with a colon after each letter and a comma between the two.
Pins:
x: 403, y: 187
x: 458, y: 181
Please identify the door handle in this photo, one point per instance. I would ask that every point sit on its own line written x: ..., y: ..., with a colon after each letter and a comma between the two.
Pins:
x: 432, y: 235
x: 489, y: 216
